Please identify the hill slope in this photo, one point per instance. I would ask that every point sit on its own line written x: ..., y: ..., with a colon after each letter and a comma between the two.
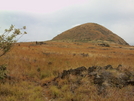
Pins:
x: 90, y: 32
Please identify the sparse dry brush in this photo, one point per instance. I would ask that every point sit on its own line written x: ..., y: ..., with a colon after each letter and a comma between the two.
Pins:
x: 32, y: 65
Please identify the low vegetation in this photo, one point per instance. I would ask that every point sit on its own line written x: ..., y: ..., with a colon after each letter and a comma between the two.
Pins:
x: 31, y: 69
x: 89, y: 32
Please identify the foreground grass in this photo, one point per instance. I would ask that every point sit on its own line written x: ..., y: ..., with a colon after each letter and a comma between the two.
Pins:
x: 25, y: 91
x: 31, y: 65
x: 21, y: 91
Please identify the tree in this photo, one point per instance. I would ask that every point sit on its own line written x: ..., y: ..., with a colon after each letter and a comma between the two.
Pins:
x: 7, y: 39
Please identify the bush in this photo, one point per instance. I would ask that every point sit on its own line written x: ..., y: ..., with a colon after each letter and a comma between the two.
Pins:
x: 8, y: 38
x: 3, y: 72
x: 104, y: 45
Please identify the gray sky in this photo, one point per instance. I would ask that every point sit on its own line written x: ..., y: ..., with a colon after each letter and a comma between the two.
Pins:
x: 45, y: 19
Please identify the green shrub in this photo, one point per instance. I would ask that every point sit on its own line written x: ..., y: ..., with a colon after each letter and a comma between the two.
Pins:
x: 3, y: 72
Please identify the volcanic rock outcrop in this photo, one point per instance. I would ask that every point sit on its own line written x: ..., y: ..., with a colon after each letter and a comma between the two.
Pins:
x: 101, y: 77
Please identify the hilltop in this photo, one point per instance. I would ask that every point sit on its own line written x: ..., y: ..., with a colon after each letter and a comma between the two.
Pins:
x: 90, y: 32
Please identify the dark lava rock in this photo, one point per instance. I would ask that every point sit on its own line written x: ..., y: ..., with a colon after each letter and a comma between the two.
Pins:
x: 76, y: 71
x: 101, y: 77
x: 91, y: 69
x: 113, y: 76
x: 108, y: 67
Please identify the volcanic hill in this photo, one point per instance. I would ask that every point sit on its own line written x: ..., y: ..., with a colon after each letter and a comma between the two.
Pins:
x: 90, y: 32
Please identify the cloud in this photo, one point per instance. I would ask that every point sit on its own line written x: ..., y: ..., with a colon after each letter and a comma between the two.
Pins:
x: 118, y: 16
x: 37, y: 6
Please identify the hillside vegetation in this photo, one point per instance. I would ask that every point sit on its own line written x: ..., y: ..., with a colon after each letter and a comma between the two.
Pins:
x: 90, y: 32
x: 34, y: 70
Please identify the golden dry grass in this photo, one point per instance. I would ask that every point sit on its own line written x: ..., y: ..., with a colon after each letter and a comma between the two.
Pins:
x: 88, y: 32
x: 30, y: 65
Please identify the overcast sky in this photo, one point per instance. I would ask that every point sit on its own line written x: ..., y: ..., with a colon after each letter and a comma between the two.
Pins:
x: 45, y: 19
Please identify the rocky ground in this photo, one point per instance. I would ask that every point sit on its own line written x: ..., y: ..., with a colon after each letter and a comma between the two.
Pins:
x: 102, y: 77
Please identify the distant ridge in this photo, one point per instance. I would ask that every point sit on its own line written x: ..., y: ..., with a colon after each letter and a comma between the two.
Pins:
x: 90, y: 32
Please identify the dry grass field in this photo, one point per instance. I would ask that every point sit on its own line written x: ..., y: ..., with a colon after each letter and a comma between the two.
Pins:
x: 30, y: 65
